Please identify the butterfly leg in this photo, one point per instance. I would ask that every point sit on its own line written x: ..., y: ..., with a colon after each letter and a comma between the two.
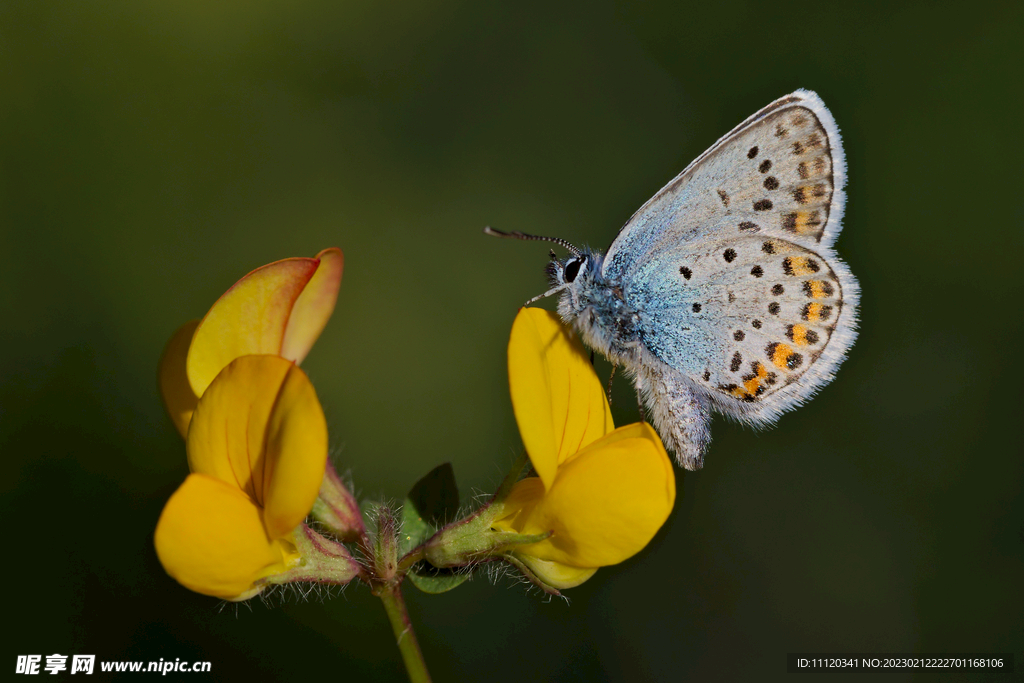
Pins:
x: 641, y: 410
x: 679, y: 415
x: 611, y: 376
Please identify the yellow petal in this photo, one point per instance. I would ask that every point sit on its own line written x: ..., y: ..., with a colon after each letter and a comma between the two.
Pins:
x: 250, y: 318
x: 556, y: 575
x: 296, y: 454
x: 179, y: 399
x: 211, y: 539
x: 606, y: 503
x: 260, y: 428
x: 226, y: 439
x: 559, y: 403
x: 520, y: 504
x: 314, y: 306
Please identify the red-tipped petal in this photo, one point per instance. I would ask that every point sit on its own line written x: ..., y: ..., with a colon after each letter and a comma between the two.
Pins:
x: 314, y: 306
x: 250, y: 318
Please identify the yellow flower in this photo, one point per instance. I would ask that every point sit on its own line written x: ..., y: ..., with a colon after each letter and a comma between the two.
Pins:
x: 278, y: 309
x: 257, y: 448
x: 602, y: 492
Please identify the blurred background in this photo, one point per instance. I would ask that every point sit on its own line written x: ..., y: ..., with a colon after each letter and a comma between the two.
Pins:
x: 152, y: 153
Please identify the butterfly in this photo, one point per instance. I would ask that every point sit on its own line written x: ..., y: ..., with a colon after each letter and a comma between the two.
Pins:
x: 723, y: 292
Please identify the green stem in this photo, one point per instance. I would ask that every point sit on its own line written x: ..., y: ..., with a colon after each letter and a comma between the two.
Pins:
x: 398, y: 615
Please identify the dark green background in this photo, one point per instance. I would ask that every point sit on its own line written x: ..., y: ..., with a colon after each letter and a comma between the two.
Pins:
x: 152, y: 153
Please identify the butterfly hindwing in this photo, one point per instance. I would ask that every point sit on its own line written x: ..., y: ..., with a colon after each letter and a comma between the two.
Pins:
x: 755, y: 323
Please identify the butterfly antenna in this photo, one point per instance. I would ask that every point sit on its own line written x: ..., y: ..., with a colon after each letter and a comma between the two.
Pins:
x: 553, y: 290
x: 523, y: 236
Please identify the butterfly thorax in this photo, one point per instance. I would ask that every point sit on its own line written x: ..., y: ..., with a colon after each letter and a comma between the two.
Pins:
x: 596, y: 306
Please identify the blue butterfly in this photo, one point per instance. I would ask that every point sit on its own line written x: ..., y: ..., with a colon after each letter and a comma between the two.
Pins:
x: 723, y: 292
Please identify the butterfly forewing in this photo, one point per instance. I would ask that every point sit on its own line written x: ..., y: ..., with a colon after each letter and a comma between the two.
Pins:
x: 780, y: 172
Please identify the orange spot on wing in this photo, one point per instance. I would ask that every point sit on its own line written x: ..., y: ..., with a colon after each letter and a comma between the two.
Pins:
x: 800, y: 335
x: 800, y: 264
x: 781, y: 355
x: 752, y: 384
x: 818, y: 289
x: 807, y: 221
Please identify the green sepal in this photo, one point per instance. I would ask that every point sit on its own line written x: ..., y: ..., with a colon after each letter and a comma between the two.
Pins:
x: 457, y: 549
x: 463, y: 544
x: 324, y: 561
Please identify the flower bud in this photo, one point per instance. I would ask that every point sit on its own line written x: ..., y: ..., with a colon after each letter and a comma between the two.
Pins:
x: 385, y: 544
x: 336, y: 508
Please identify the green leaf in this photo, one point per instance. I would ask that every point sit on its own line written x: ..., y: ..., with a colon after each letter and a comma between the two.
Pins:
x: 415, y: 529
x: 430, y: 579
x: 436, y: 496
x: 431, y: 503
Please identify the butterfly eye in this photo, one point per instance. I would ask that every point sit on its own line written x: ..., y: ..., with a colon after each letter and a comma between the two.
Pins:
x: 572, y: 269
